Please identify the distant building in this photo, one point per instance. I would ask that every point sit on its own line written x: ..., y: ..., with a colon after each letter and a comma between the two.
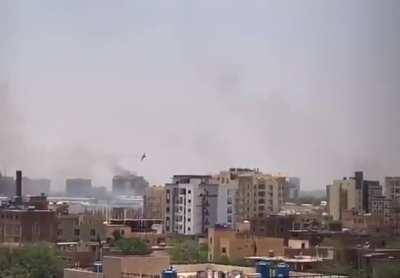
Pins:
x: 228, y: 185
x: 342, y: 196
x: 154, y: 202
x: 392, y: 188
x: 129, y: 184
x: 259, y: 195
x: 27, y: 221
x: 371, y: 189
x: 99, y: 192
x: 78, y: 187
x: 7, y: 186
x: 355, y: 194
x: 35, y: 186
x: 292, y: 189
x: 191, y: 204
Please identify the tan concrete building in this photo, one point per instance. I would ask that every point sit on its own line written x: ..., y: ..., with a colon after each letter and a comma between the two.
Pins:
x: 80, y: 228
x: 27, y: 225
x: 343, y: 195
x: 154, y: 202
x: 81, y: 273
x: 135, y: 266
x: 238, y: 245
x: 259, y: 195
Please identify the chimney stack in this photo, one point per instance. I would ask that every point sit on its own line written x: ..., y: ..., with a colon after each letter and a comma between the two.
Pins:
x: 18, y: 184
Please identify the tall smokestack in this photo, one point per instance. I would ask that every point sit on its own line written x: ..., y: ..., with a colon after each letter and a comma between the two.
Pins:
x: 18, y: 184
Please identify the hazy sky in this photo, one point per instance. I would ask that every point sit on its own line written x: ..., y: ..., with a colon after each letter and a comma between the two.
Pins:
x: 304, y: 88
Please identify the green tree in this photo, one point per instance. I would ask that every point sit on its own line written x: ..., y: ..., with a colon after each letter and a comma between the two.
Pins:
x: 133, y: 246
x: 387, y: 270
x: 188, y: 251
x: 33, y: 261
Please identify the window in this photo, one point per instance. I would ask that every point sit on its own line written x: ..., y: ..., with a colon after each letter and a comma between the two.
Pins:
x: 92, y: 232
x: 261, y: 186
x: 188, y: 220
x: 189, y: 191
x: 77, y: 232
x: 223, y: 250
x: 261, y: 194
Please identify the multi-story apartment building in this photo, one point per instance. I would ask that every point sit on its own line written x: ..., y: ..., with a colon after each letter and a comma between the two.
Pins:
x: 258, y: 195
x: 392, y: 203
x: 292, y: 189
x: 371, y: 190
x: 353, y: 193
x: 392, y: 188
x: 343, y: 195
x: 191, y: 204
x: 228, y: 185
x: 154, y: 202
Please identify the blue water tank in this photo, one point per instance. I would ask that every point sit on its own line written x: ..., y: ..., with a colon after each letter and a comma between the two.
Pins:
x: 169, y: 273
x: 282, y: 269
x: 98, y: 267
x: 263, y: 268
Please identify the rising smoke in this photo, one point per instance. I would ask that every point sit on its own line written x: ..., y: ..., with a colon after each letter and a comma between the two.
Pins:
x: 298, y: 91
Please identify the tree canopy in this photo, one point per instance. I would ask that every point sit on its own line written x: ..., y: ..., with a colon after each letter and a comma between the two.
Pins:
x: 133, y: 246
x: 33, y: 261
x: 188, y: 251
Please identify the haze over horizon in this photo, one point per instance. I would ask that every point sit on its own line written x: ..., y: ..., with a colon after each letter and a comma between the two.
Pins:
x: 309, y: 89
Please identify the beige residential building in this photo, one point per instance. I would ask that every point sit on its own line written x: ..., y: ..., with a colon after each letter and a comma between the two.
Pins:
x: 154, y: 202
x: 149, y: 266
x: 259, y: 195
x: 342, y: 195
x: 85, y: 228
x: 228, y: 184
x: 236, y: 245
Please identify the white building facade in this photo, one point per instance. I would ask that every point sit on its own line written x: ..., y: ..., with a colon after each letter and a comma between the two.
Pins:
x: 191, y: 204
